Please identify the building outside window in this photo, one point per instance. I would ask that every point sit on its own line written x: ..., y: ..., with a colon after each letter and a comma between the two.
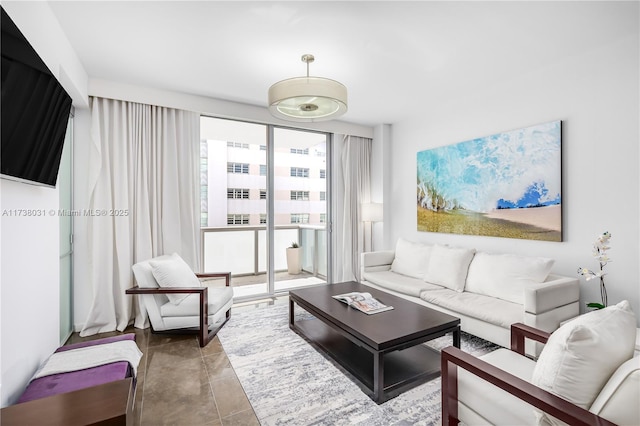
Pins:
x: 263, y: 219
x: 238, y: 193
x: 300, y: 195
x: 238, y: 168
x: 323, y: 218
x: 237, y: 145
x: 237, y: 219
x: 300, y: 151
x: 244, y: 182
x: 299, y: 217
x: 299, y: 172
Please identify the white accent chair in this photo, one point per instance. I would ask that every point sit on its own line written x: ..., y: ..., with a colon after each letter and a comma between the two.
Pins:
x: 204, y: 310
x: 505, y: 387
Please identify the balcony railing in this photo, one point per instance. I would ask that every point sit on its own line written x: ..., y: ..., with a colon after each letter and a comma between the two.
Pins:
x: 242, y: 249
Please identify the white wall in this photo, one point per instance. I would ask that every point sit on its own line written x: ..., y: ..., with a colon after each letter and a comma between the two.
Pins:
x: 30, y: 283
x: 30, y: 277
x: 596, y: 95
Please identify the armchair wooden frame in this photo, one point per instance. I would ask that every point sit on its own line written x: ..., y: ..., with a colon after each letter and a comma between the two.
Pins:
x: 560, y: 408
x: 204, y: 335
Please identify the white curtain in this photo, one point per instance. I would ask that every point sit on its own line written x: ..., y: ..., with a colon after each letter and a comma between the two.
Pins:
x: 356, y: 171
x: 145, y: 197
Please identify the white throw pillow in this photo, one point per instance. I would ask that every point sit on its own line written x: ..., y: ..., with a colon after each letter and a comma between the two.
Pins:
x: 173, y: 271
x: 411, y: 259
x: 580, y: 356
x: 505, y: 275
x: 448, y: 266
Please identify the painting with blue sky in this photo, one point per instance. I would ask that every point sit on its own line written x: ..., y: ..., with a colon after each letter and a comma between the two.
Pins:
x: 504, y: 185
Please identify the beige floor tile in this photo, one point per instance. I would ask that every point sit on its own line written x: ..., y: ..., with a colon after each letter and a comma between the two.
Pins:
x: 230, y: 396
x: 187, y: 404
x: 213, y: 347
x: 244, y: 418
x: 218, y: 366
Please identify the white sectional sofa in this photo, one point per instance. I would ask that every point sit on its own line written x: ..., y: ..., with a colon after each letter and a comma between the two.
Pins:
x: 488, y: 292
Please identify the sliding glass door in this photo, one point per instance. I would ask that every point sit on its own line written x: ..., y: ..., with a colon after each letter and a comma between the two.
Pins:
x: 263, y: 190
x: 300, y: 207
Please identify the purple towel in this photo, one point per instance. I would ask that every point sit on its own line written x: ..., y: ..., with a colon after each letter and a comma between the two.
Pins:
x: 74, y: 380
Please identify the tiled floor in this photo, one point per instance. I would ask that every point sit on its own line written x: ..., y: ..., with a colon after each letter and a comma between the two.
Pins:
x: 180, y: 383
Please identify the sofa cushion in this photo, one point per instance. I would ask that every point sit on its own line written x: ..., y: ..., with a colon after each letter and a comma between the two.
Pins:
x: 485, y: 308
x: 482, y: 398
x: 505, y: 275
x: 618, y: 400
x: 172, y: 271
x: 400, y: 283
x: 411, y: 259
x: 581, y: 355
x: 448, y: 266
x: 190, y: 306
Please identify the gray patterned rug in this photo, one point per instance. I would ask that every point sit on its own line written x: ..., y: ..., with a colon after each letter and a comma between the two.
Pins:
x: 289, y: 383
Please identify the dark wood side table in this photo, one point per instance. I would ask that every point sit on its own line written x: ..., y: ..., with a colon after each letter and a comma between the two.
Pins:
x: 109, y: 404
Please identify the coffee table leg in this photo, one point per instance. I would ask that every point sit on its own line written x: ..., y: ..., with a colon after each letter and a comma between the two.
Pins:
x: 291, y: 313
x: 378, y: 377
x: 456, y: 337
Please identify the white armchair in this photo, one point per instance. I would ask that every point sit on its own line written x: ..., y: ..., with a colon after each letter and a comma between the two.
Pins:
x: 176, y: 301
x: 586, y: 375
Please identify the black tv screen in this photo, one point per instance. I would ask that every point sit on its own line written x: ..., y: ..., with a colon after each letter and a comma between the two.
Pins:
x: 35, y: 110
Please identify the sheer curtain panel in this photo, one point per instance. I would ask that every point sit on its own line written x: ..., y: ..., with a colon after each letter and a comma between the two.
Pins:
x: 144, y: 182
x: 356, y: 170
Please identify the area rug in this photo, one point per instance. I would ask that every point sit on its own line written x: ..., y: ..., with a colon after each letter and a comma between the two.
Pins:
x: 288, y: 382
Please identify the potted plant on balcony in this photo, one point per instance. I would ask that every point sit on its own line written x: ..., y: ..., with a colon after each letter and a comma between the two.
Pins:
x: 294, y: 254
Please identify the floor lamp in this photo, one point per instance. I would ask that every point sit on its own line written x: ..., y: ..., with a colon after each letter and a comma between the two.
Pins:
x: 371, y: 212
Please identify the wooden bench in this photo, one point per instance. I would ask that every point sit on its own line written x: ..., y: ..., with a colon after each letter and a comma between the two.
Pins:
x: 102, y: 395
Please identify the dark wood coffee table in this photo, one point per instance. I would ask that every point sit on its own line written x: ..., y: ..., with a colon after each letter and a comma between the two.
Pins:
x: 383, y: 351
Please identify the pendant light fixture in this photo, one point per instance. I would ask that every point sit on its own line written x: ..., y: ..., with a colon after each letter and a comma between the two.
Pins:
x: 307, y: 99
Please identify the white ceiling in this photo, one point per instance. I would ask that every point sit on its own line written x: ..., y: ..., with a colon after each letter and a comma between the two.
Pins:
x: 396, y: 58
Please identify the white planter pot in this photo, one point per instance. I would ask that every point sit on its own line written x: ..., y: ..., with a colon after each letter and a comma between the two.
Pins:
x: 294, y: 262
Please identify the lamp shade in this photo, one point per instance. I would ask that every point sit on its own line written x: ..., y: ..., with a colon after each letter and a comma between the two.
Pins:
x: 307, y: 99
x: 372, y: 212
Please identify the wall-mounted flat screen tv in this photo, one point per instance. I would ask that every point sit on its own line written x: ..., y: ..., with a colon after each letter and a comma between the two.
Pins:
x: 35, y: 110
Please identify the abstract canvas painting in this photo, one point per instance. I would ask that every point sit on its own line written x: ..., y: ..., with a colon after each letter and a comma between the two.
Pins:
x: 504, y: 185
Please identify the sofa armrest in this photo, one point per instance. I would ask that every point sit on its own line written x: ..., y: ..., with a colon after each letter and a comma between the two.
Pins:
x: 203, y: 293
x: 166, y: 290
x: 555, y: 292
x: 452, y: 358
x: 378, y: 258
x: 206, y: 275
x: 375, y: 261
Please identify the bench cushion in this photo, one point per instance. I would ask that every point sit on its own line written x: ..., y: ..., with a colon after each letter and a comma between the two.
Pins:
x: 75, y: 380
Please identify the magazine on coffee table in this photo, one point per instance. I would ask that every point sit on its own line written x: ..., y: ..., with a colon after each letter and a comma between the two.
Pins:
x: 364, y: 302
